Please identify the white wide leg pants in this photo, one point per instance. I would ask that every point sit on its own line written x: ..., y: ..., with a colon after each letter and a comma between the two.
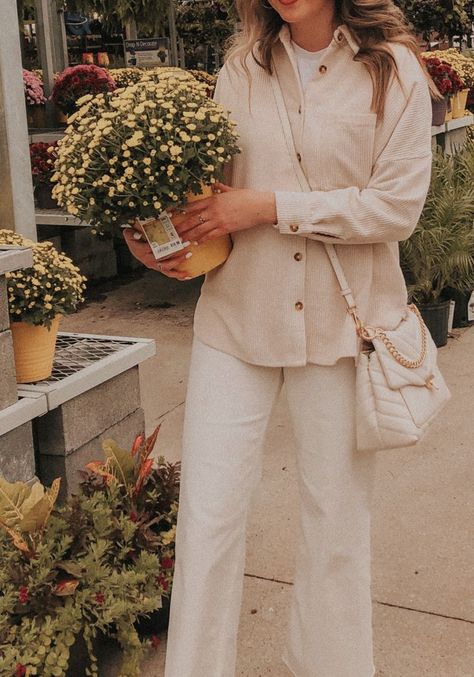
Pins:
x: 227, y: 409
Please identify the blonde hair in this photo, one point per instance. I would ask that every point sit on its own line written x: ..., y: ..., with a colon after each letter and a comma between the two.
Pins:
x: 372, y: 23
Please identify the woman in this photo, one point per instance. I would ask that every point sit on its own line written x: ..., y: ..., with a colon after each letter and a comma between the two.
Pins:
x: 358, y: 127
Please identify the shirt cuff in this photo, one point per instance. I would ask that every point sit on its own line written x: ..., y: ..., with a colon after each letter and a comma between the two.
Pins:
x: 288, y: 209
x: 296, y: 215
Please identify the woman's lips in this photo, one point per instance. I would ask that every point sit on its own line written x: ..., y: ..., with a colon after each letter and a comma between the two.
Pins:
x: 287, y: 2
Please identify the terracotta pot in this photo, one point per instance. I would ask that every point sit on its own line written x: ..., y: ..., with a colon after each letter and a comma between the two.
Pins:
x: 43, y: 197
x: 33, y: 348
x: 439, y: 110
x: 207, y: 255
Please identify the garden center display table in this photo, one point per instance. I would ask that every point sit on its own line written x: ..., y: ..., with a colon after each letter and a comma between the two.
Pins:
x: 452, y: 134
x: 17, y: 458
x: 92, y: 394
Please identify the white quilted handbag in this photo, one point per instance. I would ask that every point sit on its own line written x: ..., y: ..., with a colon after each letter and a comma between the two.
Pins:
x: 399, y: 388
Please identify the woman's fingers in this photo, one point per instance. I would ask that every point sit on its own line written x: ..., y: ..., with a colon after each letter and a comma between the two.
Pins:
x: 167, y: 266
x: 222, y: 187
x: 197, y: 206
x: 211, y: 235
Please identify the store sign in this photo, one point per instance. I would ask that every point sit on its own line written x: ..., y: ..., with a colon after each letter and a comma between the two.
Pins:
x: 147, y: 52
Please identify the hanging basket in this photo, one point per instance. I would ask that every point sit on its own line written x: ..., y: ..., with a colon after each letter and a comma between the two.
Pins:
x: 33, y: 347
x: 208, y: 255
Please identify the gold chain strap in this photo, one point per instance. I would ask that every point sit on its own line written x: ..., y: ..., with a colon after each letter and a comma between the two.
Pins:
x: 369, y: 333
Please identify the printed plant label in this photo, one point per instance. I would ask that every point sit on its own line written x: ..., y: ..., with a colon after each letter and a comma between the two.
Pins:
x: 161, y: 235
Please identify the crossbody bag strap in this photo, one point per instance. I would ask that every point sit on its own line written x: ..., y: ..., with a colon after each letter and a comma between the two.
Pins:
x: 346, y: 291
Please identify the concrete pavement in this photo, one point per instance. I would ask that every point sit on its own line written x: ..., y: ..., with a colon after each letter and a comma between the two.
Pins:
x: 423, y: 511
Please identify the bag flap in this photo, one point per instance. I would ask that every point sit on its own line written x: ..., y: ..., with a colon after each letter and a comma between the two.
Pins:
x: 406, y: 340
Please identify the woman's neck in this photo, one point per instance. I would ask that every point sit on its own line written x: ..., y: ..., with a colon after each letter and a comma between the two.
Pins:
x: 315, y: 34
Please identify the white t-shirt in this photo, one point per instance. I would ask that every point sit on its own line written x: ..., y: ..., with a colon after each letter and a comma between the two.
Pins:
x: 307, y: 62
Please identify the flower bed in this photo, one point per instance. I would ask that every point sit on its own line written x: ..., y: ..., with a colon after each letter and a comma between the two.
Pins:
x: 94, y: 566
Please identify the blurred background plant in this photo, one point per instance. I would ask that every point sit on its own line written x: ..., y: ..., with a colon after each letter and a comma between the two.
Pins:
x: 440, y: 253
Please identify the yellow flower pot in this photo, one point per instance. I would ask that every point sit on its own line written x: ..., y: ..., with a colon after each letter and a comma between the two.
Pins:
x: 463, y: 94
x: 33, y: 348
x: 208, y: 255
x: 458, y: 104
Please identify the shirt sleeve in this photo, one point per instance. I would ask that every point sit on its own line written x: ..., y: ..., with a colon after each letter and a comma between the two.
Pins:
x: 389, y: 207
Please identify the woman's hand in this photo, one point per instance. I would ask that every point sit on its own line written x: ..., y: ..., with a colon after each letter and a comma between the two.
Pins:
x: 227, y: 211
x: 141, y: 250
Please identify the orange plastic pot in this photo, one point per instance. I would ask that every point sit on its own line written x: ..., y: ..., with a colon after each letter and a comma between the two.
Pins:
x: 33, y: 348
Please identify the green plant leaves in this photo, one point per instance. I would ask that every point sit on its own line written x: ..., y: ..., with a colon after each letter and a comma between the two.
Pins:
x: 26, y: 508
x: 440, y: 253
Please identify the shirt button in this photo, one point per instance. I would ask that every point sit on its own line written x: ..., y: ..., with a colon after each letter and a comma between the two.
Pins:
x: 294, y: 227
x: 323, y: 68
x: 298, y: 155
x: 299, y: 305
x: 298, y: 256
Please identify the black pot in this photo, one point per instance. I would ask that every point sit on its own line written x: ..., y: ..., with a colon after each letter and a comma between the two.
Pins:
x: 439, y: 110
x: 436, y: 316
x: 78, y: 659
x: 462, y: 299
x: 156, y: 622
x: 43, y: 197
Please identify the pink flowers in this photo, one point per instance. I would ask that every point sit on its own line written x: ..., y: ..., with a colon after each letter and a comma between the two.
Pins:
x: 34, y: 93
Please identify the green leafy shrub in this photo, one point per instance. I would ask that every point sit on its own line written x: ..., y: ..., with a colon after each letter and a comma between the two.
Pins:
x: 90, y: 568
x: 440, y: 253
x: 447, y: 18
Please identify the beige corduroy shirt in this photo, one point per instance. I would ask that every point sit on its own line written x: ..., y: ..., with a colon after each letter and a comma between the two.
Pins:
x: 276, y: 300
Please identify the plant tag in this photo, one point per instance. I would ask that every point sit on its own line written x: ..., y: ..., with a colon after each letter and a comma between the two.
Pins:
x: 161, y: 235
x: 470, y: 309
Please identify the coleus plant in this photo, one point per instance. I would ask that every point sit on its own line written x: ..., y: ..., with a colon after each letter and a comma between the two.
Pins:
x: 94, y: 566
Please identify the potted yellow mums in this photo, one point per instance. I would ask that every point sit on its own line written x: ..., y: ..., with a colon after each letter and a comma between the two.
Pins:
x: 37, y: 297
x: 143, y: 149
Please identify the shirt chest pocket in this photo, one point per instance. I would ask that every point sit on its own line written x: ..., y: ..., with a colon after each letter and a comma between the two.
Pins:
x: 343, y: 147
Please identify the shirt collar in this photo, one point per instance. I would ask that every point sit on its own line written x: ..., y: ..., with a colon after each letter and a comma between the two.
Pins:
x: 341, y: 36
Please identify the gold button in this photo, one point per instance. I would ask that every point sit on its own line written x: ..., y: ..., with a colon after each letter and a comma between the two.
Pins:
x: 298, y: 256
x: 323, y: 68
x: 299, y: 305
x: 294, y: 227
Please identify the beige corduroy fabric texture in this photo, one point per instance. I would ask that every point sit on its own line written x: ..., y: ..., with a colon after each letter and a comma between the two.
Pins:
x: 276, y: 300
